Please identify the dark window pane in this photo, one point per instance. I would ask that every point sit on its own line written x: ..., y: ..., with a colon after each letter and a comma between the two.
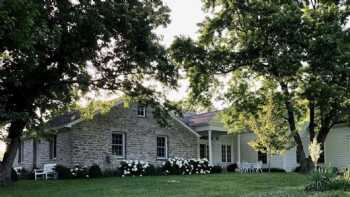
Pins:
x: 202, y: 150
x: 228, y: 153
x: 118, y: 144
x: 223, y: 153
x: 161, y: 147
x: 262, y: 157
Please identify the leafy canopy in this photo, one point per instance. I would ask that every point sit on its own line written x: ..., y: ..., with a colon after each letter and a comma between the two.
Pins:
x: 52, y: 52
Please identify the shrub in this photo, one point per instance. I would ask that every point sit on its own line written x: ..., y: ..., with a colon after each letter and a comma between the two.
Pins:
x: 63, y: 172
x: 216, y: 169
x: 321, y: 179
x: 274, y: 170
x: 232, y: 167
x: 179, y: 166
x: 150, y: 171
x: 80, y: 172
x: 95, y: 171
x: 14, y: 175
x: 133, y: 168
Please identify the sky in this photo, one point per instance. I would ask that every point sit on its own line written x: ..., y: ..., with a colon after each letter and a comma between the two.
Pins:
x: 185, y: 15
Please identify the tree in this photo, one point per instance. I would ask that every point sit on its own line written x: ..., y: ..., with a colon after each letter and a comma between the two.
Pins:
x: 55, y: 51
x: 270, y: 130
x: 302, y: 46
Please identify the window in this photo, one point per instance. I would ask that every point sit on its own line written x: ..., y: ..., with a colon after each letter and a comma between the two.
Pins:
x: 20, y: 152
x: 204, y: 151
x: 118, y: 144
x: 162, y: 146
x: 262, y: 157
x: 141, y: 111
x: 226, y: 153
x: 53, y: 148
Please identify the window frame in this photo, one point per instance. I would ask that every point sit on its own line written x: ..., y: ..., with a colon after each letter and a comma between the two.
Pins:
x: 143, y: 115
x: 165, y: 147
x: 206, y: 151
x: 53, y: 147
x: 123, y: 145
x: 226, y: 153
x: 264, y: 155
x: 20, y: 152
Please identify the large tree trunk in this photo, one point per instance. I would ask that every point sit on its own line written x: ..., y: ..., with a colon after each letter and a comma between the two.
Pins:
x: 304, y: 162
x: 15, y: 132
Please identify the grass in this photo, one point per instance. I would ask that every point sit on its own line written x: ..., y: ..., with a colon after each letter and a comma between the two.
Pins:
x: 269, y: 185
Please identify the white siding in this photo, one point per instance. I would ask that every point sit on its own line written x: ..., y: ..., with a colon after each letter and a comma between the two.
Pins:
x: 247, y: 153
x: 337, y: 147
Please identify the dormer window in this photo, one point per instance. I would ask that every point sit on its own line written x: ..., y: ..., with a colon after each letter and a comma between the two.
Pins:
x: 141, y: 111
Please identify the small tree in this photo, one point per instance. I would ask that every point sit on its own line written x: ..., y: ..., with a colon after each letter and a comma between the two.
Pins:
x: 315, y: 151
x: 271, y: 131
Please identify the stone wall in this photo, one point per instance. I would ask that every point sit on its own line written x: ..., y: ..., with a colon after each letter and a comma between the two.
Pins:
x: 92, y: 140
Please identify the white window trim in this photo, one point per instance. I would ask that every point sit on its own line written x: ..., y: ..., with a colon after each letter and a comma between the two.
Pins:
x: 166, y: 148
x: 123, y: 145
x: 143, y: 109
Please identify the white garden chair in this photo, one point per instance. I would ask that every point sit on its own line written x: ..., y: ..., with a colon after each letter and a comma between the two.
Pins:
x: 258, y: 167
x: 46, y: 172
x: 244, y: 167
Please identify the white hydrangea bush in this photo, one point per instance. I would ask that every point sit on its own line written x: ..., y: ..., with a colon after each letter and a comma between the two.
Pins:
x: 133, y: 168
x: 180, y: 166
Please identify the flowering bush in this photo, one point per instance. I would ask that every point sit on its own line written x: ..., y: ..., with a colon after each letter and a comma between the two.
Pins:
x: 80, y: 172
x: 133, y: 168
x: 180, y: 166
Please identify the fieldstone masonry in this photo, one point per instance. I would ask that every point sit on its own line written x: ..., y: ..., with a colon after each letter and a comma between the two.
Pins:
x: 90, y: 142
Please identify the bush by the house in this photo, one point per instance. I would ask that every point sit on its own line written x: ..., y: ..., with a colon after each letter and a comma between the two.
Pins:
x: 274, y: 170
x: 179, y: 166
x: 216, y: 169
x: 133, y: 168
x: 80, y: 172
x: 95, y: 171
x: 14, y: 175
x: 232, y: 167
x: 323, y: 179
x: 63, y: 172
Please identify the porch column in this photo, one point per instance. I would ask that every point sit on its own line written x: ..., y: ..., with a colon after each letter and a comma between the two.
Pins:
x: 239, y: 149
x: 210, y: 148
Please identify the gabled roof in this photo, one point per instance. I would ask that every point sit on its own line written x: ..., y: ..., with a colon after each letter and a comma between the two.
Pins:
x: 69, y: 119
x: 63, y: 120
x: 195, y: 120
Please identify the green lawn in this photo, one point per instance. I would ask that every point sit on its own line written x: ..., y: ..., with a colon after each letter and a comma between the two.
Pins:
x: 269, y: 185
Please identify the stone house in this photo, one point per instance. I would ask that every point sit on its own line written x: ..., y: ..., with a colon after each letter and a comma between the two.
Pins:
x: 134, y: 134
x: 121, y: 134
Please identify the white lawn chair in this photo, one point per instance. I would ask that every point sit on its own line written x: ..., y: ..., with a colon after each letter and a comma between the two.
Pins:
x: 244, y: 167
x: 258, y: 167
x: 46, y: 172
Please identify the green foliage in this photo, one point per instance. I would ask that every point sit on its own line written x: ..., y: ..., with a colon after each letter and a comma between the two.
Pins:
x: 63, y: 172
x: 14, y: 175
x: 216, y: 170
x: 301, y: 48
x: 95, y: 171
x: 232, y: 167
x: 56, y: 51
x: 323, y: 179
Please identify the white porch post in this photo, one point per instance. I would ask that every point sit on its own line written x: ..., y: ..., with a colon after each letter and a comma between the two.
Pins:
x: 239, y: 149
x: 210, y: 148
